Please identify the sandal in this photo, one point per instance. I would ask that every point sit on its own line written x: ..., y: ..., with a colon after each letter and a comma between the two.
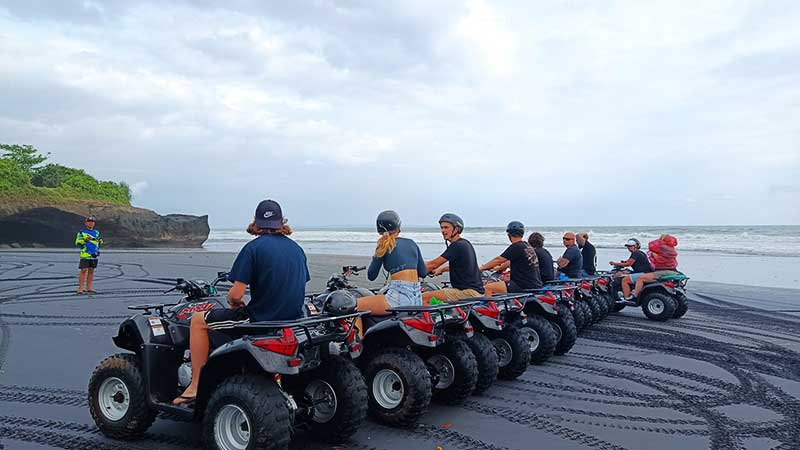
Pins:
x: 183, y: 400
x: 91, y: 291
x: 80, y: 292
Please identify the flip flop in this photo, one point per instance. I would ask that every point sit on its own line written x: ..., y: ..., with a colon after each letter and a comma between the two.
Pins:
x: 183, y: 400
x: 80, y: 292
x: 91, y: 291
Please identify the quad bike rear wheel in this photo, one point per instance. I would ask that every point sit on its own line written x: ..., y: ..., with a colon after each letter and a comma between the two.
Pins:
x: 118, y: 398
x: 541, y: 338
x: 398, y: 385
x: 567, y: 332
x: 657, y: 306
x: 247, y: 412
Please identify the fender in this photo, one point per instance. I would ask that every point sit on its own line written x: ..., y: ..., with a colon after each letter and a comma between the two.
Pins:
x: 138, y: 331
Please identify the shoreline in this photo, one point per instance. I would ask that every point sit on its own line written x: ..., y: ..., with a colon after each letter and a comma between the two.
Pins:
x: 315, y: 260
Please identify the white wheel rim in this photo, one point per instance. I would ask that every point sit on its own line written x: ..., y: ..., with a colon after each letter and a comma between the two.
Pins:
x: 231, y: 428
x: 445, y: 371
x: 388, y: 389
x: 504, y: 351
x: 113, y: 398
x: 323, y: 397
x: 532, y: 336
x: 655, y: 306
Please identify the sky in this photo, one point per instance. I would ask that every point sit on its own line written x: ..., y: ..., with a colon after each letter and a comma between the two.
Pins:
x: 560, y: 112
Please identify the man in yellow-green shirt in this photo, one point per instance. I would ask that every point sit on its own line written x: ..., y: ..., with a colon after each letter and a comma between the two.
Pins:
x: 89, y: 240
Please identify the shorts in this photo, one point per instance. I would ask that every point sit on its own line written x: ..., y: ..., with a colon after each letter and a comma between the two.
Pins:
x: 635, y: 276
x: 225, y: 318
x: 452, y: 294
x: 403, y: 293
x: 665, y: 273
x: 87, y: 263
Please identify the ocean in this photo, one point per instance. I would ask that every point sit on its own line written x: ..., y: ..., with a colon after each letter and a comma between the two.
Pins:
x: 752, y: 255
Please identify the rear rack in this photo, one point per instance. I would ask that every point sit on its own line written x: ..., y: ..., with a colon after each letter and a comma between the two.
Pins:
x: 304, y: 324
x: 437, y: 309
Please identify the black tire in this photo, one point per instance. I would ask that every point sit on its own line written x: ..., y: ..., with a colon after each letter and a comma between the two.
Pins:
x: 601, y: 301
x: 577, y: 315
x: 682, y: 306
x: 541, y: 338
x: 261, y: 402
x: 586, y: 311
x: 415, y: 384
x: 349, y: 401
x: 513, y: 352
x: 485, y: 357
x: 610, y: 300
x: 568, y: 332
x: 657, y: 306
x: 460, y: 375
x: 138, y: 417
x: 597, y: 311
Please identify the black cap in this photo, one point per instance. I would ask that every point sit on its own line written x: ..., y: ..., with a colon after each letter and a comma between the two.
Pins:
x: 90, y: 219
x: 269, y: 215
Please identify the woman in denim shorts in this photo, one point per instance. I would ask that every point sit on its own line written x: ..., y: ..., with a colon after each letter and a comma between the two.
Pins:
x: 400, y: 257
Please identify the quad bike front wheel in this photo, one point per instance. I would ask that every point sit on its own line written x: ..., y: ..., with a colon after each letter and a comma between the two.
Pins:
x: 399, y: 386
x: 682, y: 306
x: 485, y: 357
x: 118, y: 398
x: 657, y: 306
x: 513, y: 352
x: 247, y: 412
x: 339, y: 397
x: 454, y: 371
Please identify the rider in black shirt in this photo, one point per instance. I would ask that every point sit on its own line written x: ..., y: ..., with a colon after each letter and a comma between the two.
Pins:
x: 465, y: 278
x: 638, y: 262
x: 546, y: 270
x: 588, y: 253
x: 522, y: 260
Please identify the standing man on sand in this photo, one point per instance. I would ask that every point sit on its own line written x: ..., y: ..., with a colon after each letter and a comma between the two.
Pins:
x: 89, y: 240
x: 588, y: 253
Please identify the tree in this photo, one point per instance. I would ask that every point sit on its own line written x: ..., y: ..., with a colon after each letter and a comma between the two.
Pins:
x: 24, y: 156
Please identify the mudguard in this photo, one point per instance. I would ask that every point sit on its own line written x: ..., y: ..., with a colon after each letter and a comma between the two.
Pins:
x: 140, y: 330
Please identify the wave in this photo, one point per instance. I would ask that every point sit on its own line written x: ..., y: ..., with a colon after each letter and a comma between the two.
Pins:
x: 746, y: 241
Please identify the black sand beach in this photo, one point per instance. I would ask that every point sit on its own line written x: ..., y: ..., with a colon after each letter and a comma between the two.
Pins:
x: 727, y: 376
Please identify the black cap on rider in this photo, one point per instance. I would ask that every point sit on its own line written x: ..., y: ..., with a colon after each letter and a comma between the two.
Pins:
x: 387, y: 221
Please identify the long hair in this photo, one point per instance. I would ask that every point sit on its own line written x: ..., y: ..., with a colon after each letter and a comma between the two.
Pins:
x: 386, y: 243
x: 253, y: 229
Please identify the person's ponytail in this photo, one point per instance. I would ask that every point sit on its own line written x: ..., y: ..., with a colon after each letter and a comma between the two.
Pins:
x: 386, y: 243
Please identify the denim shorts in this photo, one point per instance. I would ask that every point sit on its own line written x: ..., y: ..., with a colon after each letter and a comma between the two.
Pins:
x: 635, y: 276
x: 403, y: 293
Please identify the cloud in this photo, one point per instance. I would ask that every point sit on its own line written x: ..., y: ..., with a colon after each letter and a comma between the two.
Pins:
x: 490, y: 107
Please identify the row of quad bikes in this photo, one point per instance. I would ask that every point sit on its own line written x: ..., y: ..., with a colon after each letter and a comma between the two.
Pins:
x: 265, y: 380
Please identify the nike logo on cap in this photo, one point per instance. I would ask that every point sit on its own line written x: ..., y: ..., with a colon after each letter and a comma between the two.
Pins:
x: 268, y: 214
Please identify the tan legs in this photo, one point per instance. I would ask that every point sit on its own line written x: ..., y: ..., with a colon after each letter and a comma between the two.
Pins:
x: 376, y: 304
x: 496, y: 287
x: 198, y: 347
x: 82, y: 279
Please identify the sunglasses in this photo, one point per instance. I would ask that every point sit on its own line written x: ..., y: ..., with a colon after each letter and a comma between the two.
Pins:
x: 568, y: 239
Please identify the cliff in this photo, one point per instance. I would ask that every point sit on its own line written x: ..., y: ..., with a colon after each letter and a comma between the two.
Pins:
x: 54, y: 224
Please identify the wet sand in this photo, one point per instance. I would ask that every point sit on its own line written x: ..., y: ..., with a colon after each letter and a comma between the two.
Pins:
x: 727, y: 375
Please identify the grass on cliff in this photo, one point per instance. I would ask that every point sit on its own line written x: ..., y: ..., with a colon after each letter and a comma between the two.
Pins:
x: 23, y: 178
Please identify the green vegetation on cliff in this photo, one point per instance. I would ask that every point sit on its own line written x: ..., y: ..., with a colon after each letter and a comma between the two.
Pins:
x: 24, y: 178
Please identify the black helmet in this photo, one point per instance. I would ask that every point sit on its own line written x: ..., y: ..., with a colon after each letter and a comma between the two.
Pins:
x: 387, y: 221
x: 453, y: 220
x: 515, y: 228
x: 336, y: 303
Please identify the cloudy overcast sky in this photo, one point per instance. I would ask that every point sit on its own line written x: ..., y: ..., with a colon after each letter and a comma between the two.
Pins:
x: 562, y: 112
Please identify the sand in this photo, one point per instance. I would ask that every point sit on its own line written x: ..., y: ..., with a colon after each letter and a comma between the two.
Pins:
x: 725, y: 376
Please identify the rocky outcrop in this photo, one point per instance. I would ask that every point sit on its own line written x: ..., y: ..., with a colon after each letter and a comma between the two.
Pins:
x: 55, y: 225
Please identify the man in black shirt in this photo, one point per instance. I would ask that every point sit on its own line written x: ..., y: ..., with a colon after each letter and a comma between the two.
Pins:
x: 571, y: 261
x: 588, y: 253
x: 522, y: 259
x: 465, y: 277
x: 638, y: 262
x: 546, y: 271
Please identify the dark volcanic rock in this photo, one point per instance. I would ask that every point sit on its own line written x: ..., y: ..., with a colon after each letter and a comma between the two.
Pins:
x: 55, y: 225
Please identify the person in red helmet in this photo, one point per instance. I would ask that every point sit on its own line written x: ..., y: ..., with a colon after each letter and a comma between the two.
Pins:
x: 664, y: 259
